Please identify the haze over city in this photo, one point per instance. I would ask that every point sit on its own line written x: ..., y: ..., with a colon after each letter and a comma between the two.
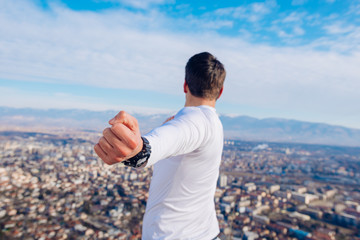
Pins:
x: 289, y: 59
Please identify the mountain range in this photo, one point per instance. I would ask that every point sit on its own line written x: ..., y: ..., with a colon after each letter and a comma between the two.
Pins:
x: 239, y: 128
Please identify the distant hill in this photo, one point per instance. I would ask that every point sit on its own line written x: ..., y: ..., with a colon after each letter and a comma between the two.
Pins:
x: 241, y: 127
x: 69, y: 118
x: 284, y: 130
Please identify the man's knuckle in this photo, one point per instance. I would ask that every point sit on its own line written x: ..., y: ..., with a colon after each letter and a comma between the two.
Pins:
x: 122, y: 114
x: 132, y: 143
x: 102, y: 142
x: 119, y: 150
x: 106, y: 131
x: 116, y: 128
x: 125, y: 152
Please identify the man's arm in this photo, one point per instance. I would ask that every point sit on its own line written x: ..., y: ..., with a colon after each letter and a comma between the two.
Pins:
x: 179, y: 135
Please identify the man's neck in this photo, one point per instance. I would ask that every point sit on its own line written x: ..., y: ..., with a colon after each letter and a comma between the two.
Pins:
x: 192, y: 101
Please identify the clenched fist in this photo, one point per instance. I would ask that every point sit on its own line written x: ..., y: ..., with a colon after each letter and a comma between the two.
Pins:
x: 121, y: 141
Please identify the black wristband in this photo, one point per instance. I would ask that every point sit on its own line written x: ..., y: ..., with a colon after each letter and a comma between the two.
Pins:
x: 141, y: 158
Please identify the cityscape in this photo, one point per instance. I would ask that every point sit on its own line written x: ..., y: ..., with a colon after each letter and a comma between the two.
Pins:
x: 53, y: 186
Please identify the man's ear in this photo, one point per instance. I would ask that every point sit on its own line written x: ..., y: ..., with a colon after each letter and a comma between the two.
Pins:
x: 185, y: 87
x: 221, y: 91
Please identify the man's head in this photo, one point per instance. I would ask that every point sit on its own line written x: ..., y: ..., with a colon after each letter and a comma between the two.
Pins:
x: 205, y: 76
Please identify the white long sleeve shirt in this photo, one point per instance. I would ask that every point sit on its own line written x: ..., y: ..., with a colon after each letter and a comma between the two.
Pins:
x: 186, y: 154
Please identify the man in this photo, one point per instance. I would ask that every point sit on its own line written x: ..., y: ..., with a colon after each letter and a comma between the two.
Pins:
x: 186, y: 153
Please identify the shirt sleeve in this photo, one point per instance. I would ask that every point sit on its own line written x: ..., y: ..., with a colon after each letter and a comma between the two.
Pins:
x: 181, y: 135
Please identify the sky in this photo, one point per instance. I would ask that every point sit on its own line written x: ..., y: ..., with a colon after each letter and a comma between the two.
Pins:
x: 294, y: 59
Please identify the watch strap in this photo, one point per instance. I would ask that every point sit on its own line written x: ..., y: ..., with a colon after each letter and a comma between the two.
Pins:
x: 141, y: 158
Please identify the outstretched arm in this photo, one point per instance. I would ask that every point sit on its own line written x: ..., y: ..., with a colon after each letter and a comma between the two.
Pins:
x: 178, y: 135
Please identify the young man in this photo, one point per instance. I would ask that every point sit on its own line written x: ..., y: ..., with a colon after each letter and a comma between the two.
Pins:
x: 186, y: 153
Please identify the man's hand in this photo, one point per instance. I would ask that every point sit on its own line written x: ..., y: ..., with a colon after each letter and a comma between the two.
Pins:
x: 120, y: 142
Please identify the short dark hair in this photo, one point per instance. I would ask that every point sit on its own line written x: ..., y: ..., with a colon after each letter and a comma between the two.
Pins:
x: 205, y: 76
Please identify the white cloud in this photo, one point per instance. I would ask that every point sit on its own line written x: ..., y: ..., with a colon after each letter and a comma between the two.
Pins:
x: 122, y: 49
x: 294, y: 17
x: 96, y: 49
x: 355, y: 7
x: 347, y: 42
x: 289, y: 33
x: 339, y: 28
x: 209, y: 24
x: 252, y: 12
x: 227, y: 11
x: 290, y: 26
x: 298, y: 2
x: 298, y: 31
x: 141, y: 4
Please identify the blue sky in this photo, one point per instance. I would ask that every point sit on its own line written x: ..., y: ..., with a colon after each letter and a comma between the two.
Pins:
x: 296, y: 59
